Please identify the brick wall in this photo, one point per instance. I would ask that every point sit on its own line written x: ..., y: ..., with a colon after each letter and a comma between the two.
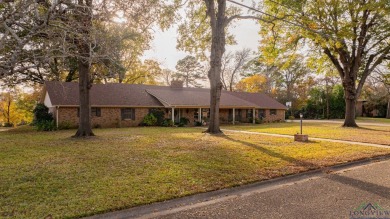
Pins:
x: 68, y: 115
x: 278, y: 117
x: 189, y: 114
x: 110, y: 117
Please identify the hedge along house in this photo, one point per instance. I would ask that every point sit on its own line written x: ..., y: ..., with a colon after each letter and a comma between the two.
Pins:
x: 123, y: 105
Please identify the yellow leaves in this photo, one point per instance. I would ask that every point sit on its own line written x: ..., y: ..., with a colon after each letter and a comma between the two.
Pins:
x: 253, y: 84
x: 338, y: 45
x: 15, y: 109
x: 313, y: 26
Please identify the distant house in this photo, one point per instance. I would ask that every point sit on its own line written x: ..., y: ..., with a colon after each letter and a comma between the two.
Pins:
x: 121, y: 105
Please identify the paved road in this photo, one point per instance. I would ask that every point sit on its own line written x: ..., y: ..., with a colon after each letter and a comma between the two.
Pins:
x: 334, y: 193
x: 341, y: 122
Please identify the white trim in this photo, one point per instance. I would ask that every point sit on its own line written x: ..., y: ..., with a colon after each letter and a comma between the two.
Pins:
x: 47, y: 101
x: 57, y: 112
x: 173, y: 115
x: 234, y: 116
x: 254, y: 116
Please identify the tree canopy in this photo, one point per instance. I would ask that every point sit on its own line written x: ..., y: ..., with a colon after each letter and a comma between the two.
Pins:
x: 354, y: 35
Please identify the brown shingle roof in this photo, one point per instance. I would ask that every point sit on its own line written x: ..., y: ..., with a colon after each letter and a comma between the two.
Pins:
x: 133, y: 95
x: 67, y: 94
x: 262, y: 101
x: 194, y: 97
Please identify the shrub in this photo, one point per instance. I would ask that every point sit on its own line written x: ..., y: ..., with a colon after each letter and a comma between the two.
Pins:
x: 167, y: 123
x: 97, y: 126
x: 7, y: 124
x: 197, y: 123
x: 184, y: 121
x: 291, y: 117
x: 64, y: 126
x: 159, y: 114
x: 258, y: 121
x: 46, y: 125
x: 149, y: 120
x: 41, y: 113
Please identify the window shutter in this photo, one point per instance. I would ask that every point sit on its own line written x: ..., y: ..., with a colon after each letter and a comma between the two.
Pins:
x: 122, y: 114
x: 133, y: 114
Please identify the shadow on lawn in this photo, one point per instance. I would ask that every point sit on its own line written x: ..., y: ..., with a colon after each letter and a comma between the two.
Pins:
x: 375, y: 130
x: 362, y: 185
x: 274, y: 154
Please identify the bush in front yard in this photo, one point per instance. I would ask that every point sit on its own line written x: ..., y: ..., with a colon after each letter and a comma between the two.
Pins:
x: 184, y: 121
x: 167, y: 123
x: 41, y: 113
x: 43, y: 120
x: 149, y: 120
x: 46, y: 126
x: 159, y: 114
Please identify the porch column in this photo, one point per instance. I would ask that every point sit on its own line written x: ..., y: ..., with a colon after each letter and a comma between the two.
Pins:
x: 57, y: 117
x: 254, y: 116
x: 173, y: 115
x: 200, y: 115
x: 234, y: 116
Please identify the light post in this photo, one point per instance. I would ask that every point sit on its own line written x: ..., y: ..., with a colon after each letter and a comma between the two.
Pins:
x: 301, y: 116
x: 301, y: 137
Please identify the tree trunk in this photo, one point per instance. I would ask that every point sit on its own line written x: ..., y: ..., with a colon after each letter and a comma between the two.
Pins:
x: 350, y: 111
x: 327, y: 106
x: 85, y: 19
x: 85, y: 128
x: 9, y: 108
x: 327, y: 97
x: 388, y: 109
x: 218, y: 23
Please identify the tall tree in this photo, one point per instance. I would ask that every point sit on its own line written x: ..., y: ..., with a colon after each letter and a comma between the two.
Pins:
x: 253, y: 84
x: 206, y: 31
x: 233, y: 65
x: 354, y: 35
x: 190, y: 70
x: 382, y: 75
x: 35, y: 32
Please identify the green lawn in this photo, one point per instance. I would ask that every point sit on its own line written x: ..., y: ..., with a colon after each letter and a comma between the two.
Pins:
x: 367, y: 134
x: 49, y: 173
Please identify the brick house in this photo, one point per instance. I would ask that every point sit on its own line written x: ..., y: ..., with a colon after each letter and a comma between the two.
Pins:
x: 123, y: 105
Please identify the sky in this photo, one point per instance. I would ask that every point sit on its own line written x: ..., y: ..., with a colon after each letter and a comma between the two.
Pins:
x: 164, y: 43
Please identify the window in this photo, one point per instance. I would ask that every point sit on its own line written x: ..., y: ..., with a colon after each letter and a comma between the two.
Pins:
x: 128, y: 113
x: 261, y: 113
x: 272, y: 112
x: 95, y: 111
